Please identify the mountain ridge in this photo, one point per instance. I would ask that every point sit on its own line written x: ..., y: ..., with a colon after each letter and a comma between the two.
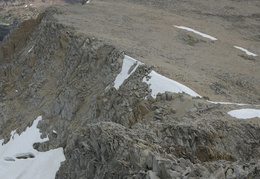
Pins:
x: 65, y: 69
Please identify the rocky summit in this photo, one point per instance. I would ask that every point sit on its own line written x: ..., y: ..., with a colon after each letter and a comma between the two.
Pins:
x: 135, y: 89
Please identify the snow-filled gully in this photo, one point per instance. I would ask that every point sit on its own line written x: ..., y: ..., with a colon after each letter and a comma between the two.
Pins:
x: 128, y: 63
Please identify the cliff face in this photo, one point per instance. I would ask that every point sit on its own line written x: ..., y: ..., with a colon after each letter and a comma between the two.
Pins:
x: 51, y: 69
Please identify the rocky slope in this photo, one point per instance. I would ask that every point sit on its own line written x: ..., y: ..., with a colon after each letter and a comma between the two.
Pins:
x: 63, y: 64
x: 13, y: 12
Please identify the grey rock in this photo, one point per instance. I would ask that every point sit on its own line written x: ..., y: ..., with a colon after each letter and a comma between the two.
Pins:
x: 151, y: 175
x: 163, y: 97
x: 168, y: 96
x: 230, y: 174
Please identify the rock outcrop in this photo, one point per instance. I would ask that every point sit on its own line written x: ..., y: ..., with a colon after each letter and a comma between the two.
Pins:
x: 18, y: 39
x: 53, y: 70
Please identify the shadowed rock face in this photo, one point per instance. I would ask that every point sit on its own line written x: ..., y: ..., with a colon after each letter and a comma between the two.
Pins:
x: 18, y: 39
x: 4, y: 30
x: 67, y: 77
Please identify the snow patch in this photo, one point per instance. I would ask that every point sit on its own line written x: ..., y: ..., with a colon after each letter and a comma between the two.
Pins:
x: 245, y: 50
x: 55, y: 132
x: 18, y: 158
x: 238, y: 104
x: 161, y: 84
x: 196, y: 32
x: 30, y: 49
x: 129, y: 66
x: 245, y: 113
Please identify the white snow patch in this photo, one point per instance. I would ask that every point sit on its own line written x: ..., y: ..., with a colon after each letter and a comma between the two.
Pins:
x: 31, y: 4
x: 245, y: 113
x: 239, y: 104
x: 128, y: 62
x: 30, y: 49
x: 88, y: 1
x: 55, y: 132
x: 245, y: 50
x: 196, y: 32
x: 161, y: 84
x: 18, y: 158
x: 25, y: 5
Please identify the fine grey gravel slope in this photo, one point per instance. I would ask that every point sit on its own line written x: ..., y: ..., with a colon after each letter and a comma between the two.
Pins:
x: 146, y: 30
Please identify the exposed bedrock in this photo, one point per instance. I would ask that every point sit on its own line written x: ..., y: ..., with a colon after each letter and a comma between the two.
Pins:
x: 68, y: 77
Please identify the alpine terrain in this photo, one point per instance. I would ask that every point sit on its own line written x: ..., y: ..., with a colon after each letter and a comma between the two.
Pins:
x: 130, y: 89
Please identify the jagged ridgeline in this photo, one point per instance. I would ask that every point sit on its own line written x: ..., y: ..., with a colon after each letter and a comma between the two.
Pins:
x: 68, y: 77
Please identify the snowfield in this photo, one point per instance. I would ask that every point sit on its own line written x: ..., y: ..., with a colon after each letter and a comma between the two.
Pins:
x: 245, y: 113
x: 161, y: 84
x: 18, y: 158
